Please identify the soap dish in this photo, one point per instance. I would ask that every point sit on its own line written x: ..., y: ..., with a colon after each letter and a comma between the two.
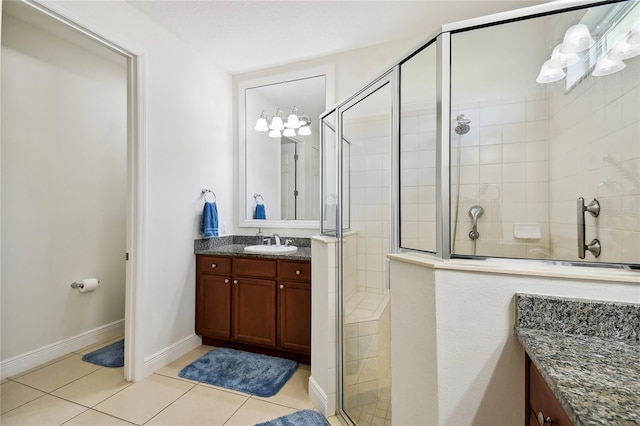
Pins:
x: 527, y: 231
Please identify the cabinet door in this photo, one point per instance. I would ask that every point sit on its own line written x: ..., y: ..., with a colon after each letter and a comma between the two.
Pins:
x: 254, y: 311
x: 294, y: 316
x: 213, y: 306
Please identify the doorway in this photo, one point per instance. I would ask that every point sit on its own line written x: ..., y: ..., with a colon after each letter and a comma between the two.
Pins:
x: 63, y: 211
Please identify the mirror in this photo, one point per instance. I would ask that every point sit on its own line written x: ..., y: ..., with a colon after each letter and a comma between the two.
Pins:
x: 281, y: 172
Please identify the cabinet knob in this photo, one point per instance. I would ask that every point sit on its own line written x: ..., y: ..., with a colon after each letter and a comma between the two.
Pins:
x: 298, y: 272
x: 214, y: 266
x: 542, y: 421
x: 226, y: 280
x: 281, y: 285
x: 235, y: 281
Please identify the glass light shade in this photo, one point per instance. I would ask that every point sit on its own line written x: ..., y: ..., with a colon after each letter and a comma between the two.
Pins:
x: 305, y: 131
x: 549, y: 75
x: 562, y: 60
x: 276, y: 124
x: 606, y: 66
x: 577, y: 39
x: 624, y: 50
x: 261, y: 124
x: 289, y: 132
x: 274, y: 133
x: 293, y: 122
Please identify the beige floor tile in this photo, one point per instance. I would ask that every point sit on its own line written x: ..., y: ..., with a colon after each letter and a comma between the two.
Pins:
x: 58, y: 374
x: 44, y: 411
x: 334, y: 421
x: 96, y: 346
x: 200, y: 406
x: 142, y: 400
x: 294, y: 393
x: 256, y: 411
x: 31, y: 370
x: 95, y: 387
x: 172, y: 369
x: 14, y: 394
x: 96, y: 418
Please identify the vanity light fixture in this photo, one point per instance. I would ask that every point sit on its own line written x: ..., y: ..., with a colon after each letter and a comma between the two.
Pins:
x: 607, y: 65
x: 624, y: 50
x: 562, y: 60
x: 294, y: 124
x: 276, y: 121
x: 292, y: 119
x: 549, y: 74
x: 577, y: 39
x: 261, y: 124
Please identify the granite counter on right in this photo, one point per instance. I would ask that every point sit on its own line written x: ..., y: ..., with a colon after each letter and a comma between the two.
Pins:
x: 582, y: 360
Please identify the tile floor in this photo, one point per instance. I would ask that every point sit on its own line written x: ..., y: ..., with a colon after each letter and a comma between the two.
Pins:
x: 69, y: 391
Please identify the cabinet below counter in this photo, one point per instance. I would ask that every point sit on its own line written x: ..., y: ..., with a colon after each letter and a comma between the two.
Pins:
x: 255, y: 304
x: 582, y: 361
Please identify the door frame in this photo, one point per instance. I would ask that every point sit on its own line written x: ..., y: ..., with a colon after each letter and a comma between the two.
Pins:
x: 136, y: 183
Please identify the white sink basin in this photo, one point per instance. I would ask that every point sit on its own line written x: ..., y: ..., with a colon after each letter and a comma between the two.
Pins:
x: 271, y: 249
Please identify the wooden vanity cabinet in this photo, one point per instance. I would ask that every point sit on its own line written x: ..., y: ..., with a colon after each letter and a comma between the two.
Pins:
x: 260, y: 305
x: 294, y: 306
x: 542, y: 407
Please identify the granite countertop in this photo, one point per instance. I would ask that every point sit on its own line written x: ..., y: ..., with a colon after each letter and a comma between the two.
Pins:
x: 588, y: 353
x: 233, y: 245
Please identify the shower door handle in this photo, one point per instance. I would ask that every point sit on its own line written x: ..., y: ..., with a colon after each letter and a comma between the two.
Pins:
x: 594, y: 210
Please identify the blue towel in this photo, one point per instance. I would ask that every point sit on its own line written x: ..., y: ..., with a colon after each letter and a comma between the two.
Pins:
x: 209, y: 224
x: 260, y: 213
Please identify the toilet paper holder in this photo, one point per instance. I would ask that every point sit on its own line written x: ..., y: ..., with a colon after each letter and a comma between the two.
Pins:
x: 79, y: 285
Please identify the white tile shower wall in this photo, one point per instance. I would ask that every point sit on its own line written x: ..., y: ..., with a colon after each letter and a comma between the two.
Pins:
x: 503, y: 168
x: 417, y: 179
x: 369, y: 176
x: 595, y: 153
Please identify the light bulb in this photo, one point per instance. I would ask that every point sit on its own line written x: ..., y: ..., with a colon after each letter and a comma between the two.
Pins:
x: 289, y: 132
x: 549, y: 75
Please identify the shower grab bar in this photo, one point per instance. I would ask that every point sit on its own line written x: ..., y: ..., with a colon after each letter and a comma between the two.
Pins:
x: 594, y: 210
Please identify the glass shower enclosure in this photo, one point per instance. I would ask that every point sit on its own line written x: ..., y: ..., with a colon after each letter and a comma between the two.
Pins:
x: 515, y: 136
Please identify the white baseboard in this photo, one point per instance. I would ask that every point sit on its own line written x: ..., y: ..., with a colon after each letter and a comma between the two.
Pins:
x: 170, y: 354
x: 36, y: 357
x: 320, y: 400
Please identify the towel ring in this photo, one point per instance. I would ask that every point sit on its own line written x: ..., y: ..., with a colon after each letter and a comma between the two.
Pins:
x: 255, y: 197
x: 206, y: 192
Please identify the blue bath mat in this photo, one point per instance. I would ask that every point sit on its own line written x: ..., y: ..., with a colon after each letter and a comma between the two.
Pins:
x: 111, y: 356
x: 255, y: 374
x: 299, y: 418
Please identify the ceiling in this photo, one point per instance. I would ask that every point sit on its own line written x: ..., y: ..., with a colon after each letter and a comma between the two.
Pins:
x: 242, y: 36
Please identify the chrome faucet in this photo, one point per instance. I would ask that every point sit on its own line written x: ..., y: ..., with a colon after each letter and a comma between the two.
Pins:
x: 277, y: 238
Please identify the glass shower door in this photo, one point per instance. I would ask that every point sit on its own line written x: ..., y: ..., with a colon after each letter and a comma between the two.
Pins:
x: 364, y: 298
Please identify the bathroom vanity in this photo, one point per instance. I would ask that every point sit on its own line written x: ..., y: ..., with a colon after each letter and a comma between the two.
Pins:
x: 581, y: 361
x: 257, y: 303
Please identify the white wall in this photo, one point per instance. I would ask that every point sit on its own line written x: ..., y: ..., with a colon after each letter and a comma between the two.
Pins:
x: 64, y: 187
x: 188, y: 146
x: 479, y: 365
